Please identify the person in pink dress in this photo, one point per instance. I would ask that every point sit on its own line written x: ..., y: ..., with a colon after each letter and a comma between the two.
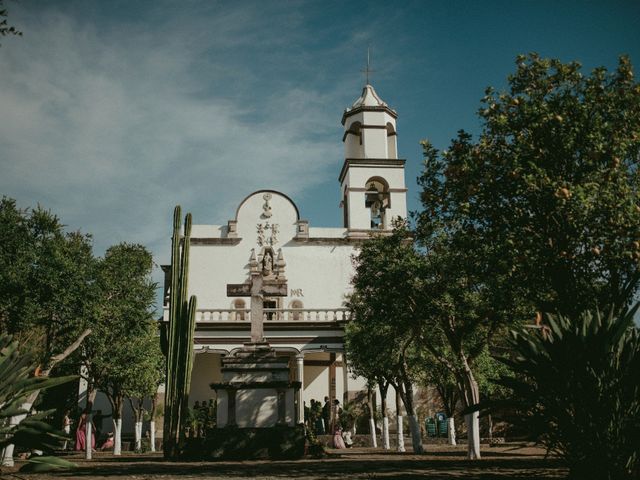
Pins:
x: 338, y: 441
x: 81, y: 435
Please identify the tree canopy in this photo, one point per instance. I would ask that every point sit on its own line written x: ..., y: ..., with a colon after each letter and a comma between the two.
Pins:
x: 47, y: 290
x: 549, y: 190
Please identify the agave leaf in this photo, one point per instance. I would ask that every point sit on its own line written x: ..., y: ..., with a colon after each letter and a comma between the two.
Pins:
x: 46, y: 464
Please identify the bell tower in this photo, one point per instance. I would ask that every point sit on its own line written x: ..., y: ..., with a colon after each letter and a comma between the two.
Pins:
x: 372, y: 176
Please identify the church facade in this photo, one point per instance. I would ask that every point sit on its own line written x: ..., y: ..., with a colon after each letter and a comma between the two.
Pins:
x: 304, y: 318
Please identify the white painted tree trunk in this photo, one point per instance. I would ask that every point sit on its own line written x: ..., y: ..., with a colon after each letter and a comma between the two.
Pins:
x: 88, y: 435
x: 473, y: 435
x: 385, y: 433
x: 138, y: 435
x: 451, y: 431
x: 117, y: 436
x: 372, y: 427
x: 152, y: 435
x: 7, y: 453
x: 416, y: 436
x: 400, y: 433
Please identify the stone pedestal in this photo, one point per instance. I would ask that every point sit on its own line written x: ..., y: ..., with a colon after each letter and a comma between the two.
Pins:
x: 255, y: 391
x: 256, y: 414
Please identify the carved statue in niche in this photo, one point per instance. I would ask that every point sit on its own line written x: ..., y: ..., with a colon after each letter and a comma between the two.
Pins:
x: 267, y: 263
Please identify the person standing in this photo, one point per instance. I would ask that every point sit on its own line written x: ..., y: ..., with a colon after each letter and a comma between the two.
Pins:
x: 66, y: 427
x: 326, y: 416
x: 81, y: 436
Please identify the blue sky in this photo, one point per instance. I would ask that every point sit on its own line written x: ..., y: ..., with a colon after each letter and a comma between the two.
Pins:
x: 113, y: 112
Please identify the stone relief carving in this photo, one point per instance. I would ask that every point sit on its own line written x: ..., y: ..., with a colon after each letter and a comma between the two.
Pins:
x: 267, y: 206
x: 267, y: 264
x: 262, y: 228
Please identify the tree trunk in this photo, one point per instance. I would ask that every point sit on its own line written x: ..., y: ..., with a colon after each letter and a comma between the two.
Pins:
x: 88, y: 436
x: 152, y: 434
x: 414, y: 425
x: 399, y: 420
x: 384, y: 387
x: 138, y: 412
x: 473, y: 435
x: 116, y: 404
x: 451, y: 431
x: 138, y: 435
x: 7, y: 453
x: 372, y: 421
x: 88, y: 431
x: 117, y: 436
x: 471, y: 396
x: 490, y: 421
x: 152, y: 423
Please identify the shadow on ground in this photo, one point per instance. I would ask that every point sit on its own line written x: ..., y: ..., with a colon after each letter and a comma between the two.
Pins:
x: 360, y: 464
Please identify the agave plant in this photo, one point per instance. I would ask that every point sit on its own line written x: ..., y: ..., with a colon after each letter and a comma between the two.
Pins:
x: 576, y: 387
x: 16, y: 384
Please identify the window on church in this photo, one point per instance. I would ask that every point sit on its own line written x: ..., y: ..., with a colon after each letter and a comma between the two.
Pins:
x: 269, y: 309
x: 241, y: 306
x: 296, y: 305
x: 377, y: 201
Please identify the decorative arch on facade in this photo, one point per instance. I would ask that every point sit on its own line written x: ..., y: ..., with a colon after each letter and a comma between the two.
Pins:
x: 392, y: 146
x: 356, y: 129
x: 275, y: 192
x: 240, y: 305
x: 296, y: 305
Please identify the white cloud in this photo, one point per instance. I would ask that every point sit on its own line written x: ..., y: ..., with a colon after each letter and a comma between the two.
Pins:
x: 110, y: 126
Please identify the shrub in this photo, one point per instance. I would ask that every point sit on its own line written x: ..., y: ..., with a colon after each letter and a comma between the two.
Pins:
x: 576, y: 387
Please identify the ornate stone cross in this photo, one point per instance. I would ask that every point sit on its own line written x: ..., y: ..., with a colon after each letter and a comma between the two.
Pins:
x: 261, y: 285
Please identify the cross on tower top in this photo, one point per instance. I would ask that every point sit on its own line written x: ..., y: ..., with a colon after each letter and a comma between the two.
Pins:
x: 368, y: 70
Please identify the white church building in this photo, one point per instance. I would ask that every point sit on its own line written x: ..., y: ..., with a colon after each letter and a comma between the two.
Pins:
x: 305, y: 323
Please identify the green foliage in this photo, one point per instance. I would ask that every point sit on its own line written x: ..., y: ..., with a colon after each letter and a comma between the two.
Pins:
x: 120, y: 355
x: 549, y: 192
x: 381, y: 337
x: 46, y: 280
x: 179, y: 338
x: 16, y: 385
x: 577, y: 387
x: 351, y: 412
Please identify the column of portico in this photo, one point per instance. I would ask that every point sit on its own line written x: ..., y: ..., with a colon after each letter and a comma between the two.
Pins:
x: 300, y: 378
x: 345, y: 379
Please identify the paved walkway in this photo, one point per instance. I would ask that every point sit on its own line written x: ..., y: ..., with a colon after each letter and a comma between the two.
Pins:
x: 442, y: 462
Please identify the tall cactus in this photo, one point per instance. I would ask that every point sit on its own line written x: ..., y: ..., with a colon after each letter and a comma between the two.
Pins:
x: 180, y: 338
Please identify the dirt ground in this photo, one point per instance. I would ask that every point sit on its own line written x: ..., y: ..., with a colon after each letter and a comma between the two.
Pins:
x: 439, y: 463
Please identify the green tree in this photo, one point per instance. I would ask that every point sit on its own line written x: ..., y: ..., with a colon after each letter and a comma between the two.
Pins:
x: 46, y: 280
x: 370, y: 364
x: 385, y: 310
x: 549, y: 190
x: 142, y: 384
x: 458, y: 316
x: 121, y: 326
x: 46, y: 288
